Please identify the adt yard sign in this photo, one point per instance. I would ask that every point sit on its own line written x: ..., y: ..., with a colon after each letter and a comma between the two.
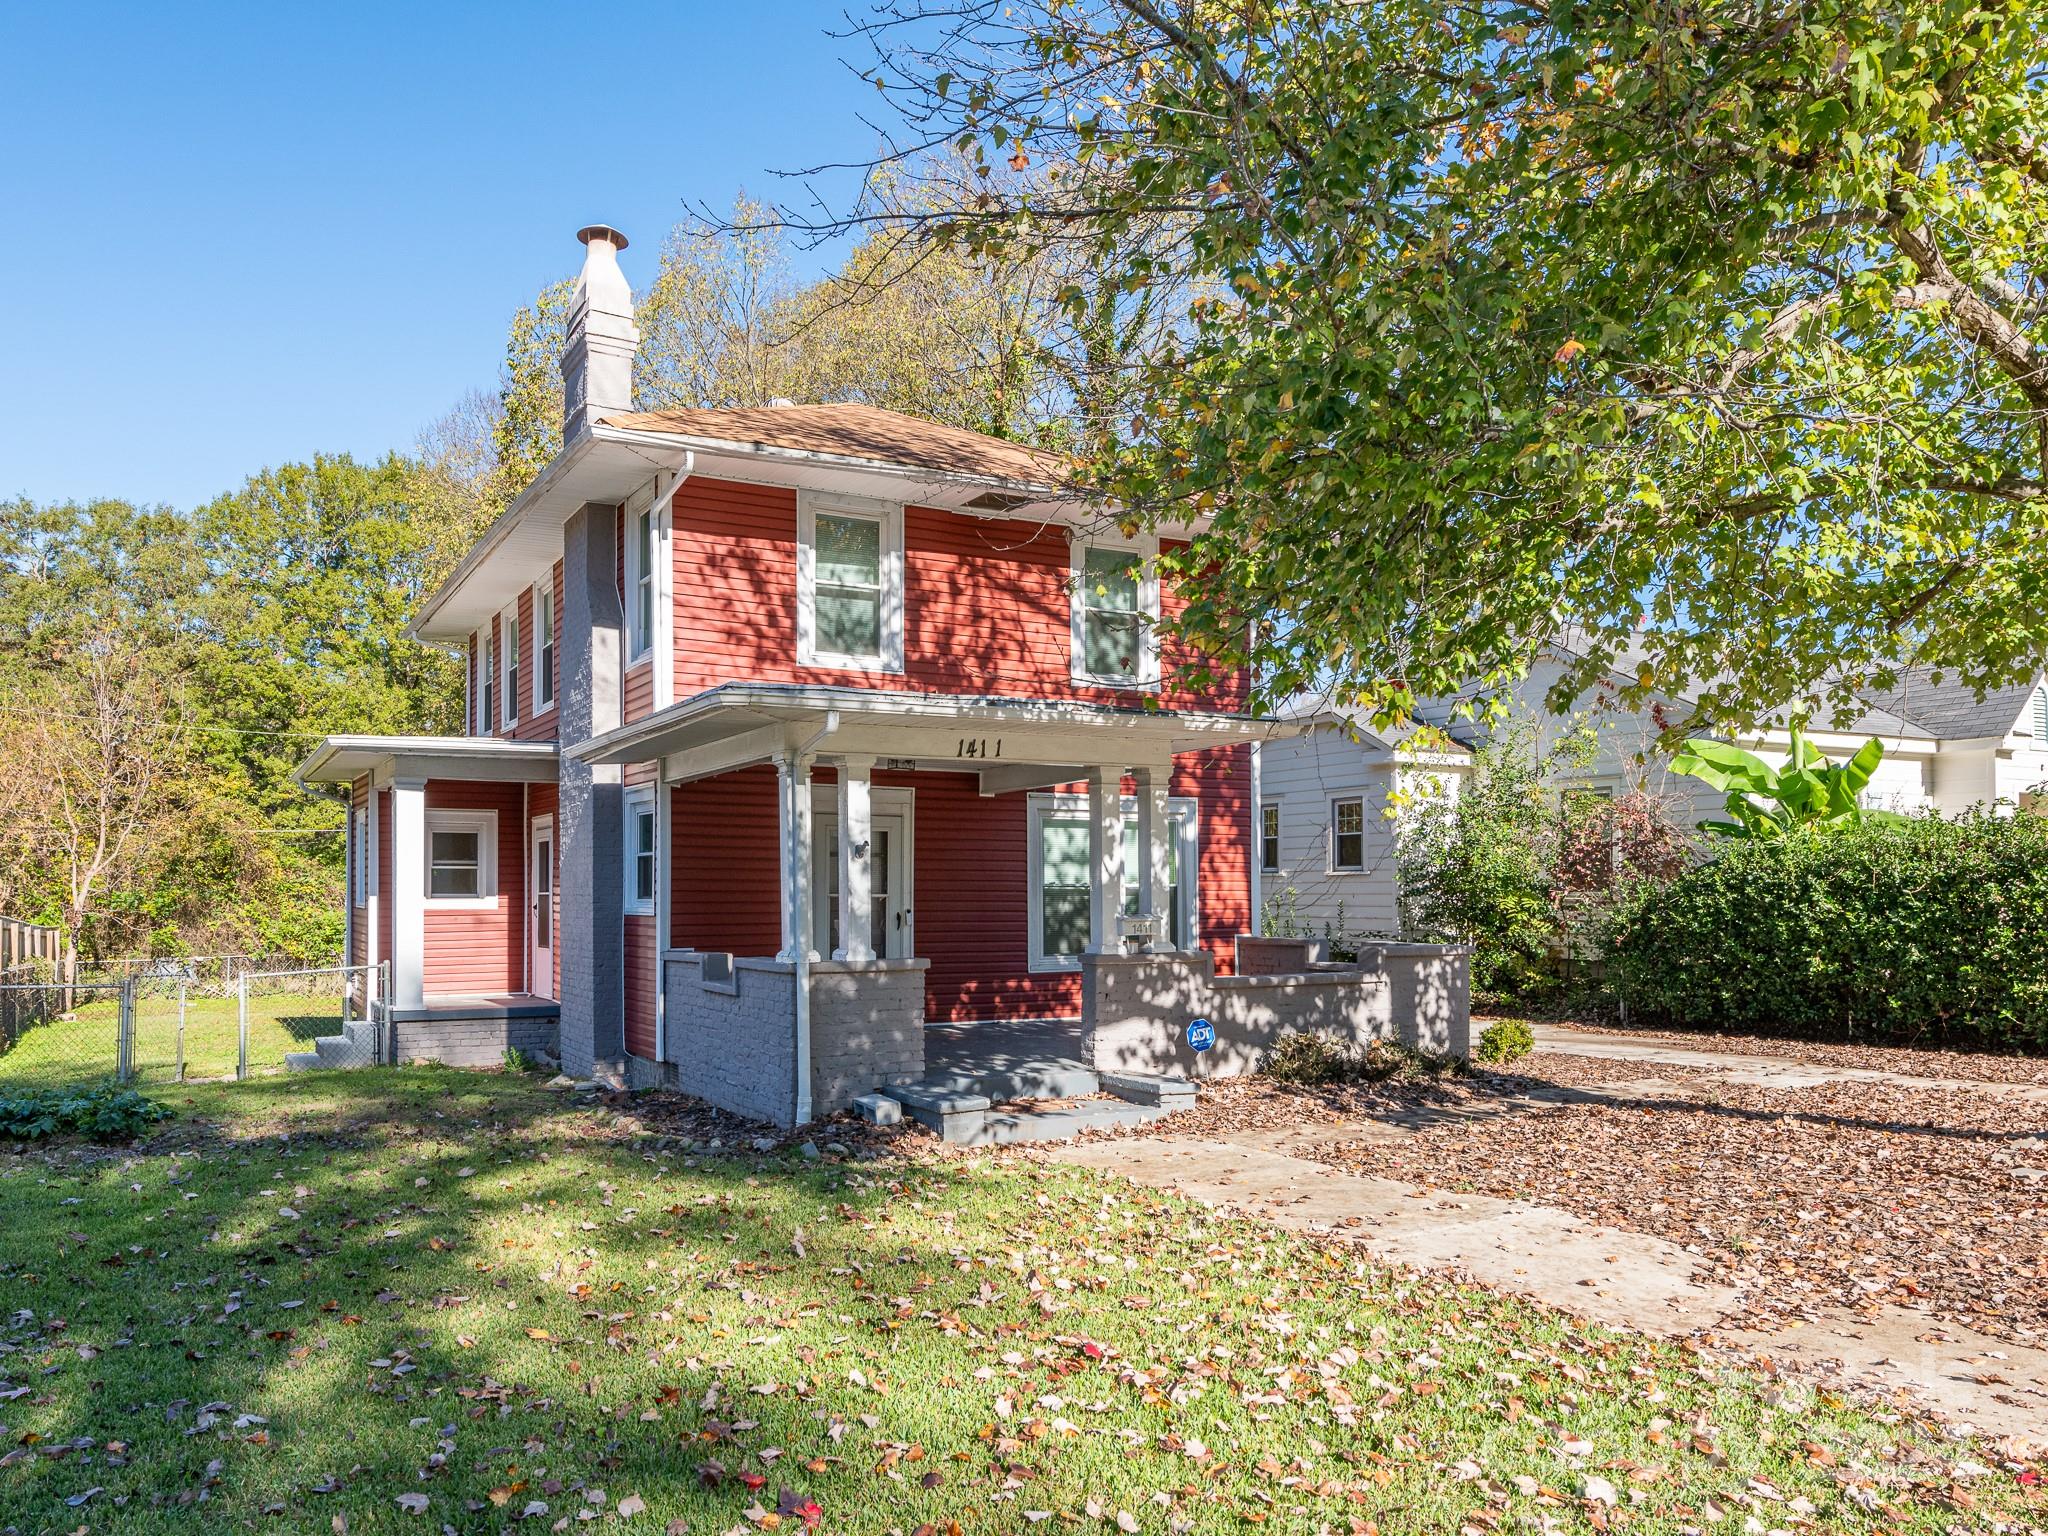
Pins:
x: 1201, y: 1035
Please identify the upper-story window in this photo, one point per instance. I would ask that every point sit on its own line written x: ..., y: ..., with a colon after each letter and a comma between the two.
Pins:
x: 510, y: 648
x: 1116, y: 611
x: 2041, y: 714
x: 487, y: 694
x: 544, y: 646
x: 849, y: 583
x: 639, y: 584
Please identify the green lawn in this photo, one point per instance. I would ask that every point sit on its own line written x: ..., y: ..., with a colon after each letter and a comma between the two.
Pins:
x: 342, y: 1294
x: 82, y: 1046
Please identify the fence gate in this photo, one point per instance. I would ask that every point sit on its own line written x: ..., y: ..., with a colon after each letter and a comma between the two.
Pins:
x: 57, y: 1035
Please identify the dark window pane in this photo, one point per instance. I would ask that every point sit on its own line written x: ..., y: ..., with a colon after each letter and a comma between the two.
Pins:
x: 1109, y: 580
x: 849, y: 623
x: 1111, y: 643
x: 849, y: 552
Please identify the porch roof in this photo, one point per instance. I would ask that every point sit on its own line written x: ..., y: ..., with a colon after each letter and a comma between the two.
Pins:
x: 738, y: 723
x: 344, y: 759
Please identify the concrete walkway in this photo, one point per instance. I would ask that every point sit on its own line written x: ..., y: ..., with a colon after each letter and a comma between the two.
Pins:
x: 1625, y: 1279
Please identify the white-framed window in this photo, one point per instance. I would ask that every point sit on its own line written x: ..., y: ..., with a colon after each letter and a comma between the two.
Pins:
x: 1059, y: 914
x: 640, y: 851
x: 1347, y: 835
x: 2041, y: 714
x: 509, y: 648
x: 849, y: 582
x: 487, y: 695
x: 544, y: 646
x: 639, y: 583
x: 462, y: 858
x: 1115, y: 613
x: 359, y: 854
x: 1269, y: 837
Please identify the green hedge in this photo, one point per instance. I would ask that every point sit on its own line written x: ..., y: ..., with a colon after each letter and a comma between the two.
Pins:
x: 1928, y: 930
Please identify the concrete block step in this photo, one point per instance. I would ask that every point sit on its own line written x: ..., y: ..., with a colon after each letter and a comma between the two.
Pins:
x: 301, y: 1061
x: 361, y: 1032
x: 1168, y: 1093
x: 342, y: 1051
x: 1004, y: 1128
x: 1038, y: 1079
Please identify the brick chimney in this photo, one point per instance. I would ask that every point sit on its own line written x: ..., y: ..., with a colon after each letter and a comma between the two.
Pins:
x: 597, y: 359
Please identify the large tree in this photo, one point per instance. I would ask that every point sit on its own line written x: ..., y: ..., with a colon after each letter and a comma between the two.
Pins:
x: 1716, y: 332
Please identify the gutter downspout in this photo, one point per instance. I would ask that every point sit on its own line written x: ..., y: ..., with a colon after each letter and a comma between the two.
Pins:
x: 799, y: 827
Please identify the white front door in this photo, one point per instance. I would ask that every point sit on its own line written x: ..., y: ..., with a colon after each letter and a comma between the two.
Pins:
x: 894, y: 939
x: 541, y: 918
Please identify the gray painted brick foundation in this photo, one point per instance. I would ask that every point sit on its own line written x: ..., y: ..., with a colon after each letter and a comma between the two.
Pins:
x: 479, y: 1039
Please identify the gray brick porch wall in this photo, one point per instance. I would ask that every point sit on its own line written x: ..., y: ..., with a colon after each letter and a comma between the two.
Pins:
x: 1135, y: 1009
x: 733, y: 1044
x: 475, y: 1041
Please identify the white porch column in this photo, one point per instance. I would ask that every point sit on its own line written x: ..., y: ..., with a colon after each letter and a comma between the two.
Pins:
x: 408, y: 892
x: 856, y: 861
x: 664, y: 927
x: 1105, y: 858
x: 793, y: 784
x: 1155, y: 852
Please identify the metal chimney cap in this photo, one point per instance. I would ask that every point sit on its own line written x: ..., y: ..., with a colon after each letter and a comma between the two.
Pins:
x: 591, y: 232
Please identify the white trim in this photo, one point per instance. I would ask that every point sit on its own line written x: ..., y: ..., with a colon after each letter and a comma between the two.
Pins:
x: 1258, y: 799
x: 408, y: 891
x: 487, y: 676
x: 1330, y: 834
x: 1146, y: 547
x: 890, y: 516
x: 485, y: 825
x: 1259, y: 809
x: 639, y: 646
x: 884, y: 801
x: 544, y: 596
x: 664, y: 599
x: 1183, y: 820
x: 508, y: 661
x: 371, y: 906
x: 640, y: 798
x: 664, y: 904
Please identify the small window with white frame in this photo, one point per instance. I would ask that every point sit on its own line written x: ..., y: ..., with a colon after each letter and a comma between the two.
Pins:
x: 849, y: 608
x: 509, y: 647
x: 359, y: 854
x: 1059, y: 919
x: 639, y: 584
x: 640, y: 851
x: 1269, y: 837
x: 462, y: 858
x: 1115, y: 614
x: 544, y: 646
x: 487, y: 695
x: 1347, y: 835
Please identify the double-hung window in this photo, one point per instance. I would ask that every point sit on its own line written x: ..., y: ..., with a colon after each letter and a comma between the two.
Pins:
x: 1060, y: 913
x: 640, y: 584
x: 640, y: 851
x: 544, y: 646
x: 462, y: 858
x: 359, y: 854
x: 486, y: 699
x: 1269, y: 837
x: 849, y: 583
x: 1347, y: 835
x: 1115, y: 615
x: 510, y: 646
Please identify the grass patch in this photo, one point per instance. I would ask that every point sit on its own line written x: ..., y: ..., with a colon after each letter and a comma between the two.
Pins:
x: 411, y: 1298
x: 82, y: 1047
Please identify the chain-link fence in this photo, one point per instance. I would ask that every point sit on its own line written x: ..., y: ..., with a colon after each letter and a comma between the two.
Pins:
x: 170, y: 1024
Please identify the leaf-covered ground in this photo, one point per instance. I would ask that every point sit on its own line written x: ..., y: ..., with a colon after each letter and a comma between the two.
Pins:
x: 1908, y: 1061
x: 421, y: 1300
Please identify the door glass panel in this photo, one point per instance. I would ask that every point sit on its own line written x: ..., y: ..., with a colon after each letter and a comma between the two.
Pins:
x: 544, y: 894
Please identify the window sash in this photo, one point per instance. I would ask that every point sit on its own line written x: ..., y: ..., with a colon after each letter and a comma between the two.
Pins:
x: 1269, y: 837
x: 847, y: 587
x: 640, y: 851
x: 511, y: 649
x: 487, y: 669
x: 1064, y: 915
x: 1347, y: 834
x: 544, y: 649
x: 643, y: 583
x: 453, y: 869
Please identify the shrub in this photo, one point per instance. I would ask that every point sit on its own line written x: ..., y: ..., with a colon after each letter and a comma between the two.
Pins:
x: 105, y: 1113
x: 1317, y: 1061
x: 1921, y: 929
x: 1503, y: 1041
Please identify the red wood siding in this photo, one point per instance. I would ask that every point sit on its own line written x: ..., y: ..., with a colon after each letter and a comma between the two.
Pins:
x: 482, y: 951
x: 637, y: 692
x: 970, y: 881
x: 542, y: 726
x: 987, y: 605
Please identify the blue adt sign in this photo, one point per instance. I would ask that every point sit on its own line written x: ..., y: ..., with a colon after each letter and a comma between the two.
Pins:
x: 1201, y: 1035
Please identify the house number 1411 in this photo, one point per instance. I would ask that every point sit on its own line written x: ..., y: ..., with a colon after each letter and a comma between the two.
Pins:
x: 979, y: 746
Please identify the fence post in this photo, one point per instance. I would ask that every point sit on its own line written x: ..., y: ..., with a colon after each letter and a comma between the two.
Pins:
x: 242, y: 1026
x: 182, y: 988
x: 124, y: 1050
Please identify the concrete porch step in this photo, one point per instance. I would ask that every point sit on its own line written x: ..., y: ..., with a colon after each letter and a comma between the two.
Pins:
x: 1050, y: 1078
x: 961, y: 1113
x: 301, y: 1061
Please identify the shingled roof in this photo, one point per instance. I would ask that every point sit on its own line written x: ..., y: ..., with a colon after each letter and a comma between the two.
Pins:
x: 861, y: 433
x: 1950, y: 709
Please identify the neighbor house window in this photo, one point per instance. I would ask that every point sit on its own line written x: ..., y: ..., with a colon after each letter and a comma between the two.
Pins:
x: 487, y: 670
x: 640, y: 583
x: 462, y: 858
x: 849, y: 583
x: 1059, y: 916
x: 1347, y: 835
x: 640, y: 850
x: 1116, y: 609
x: 543, y: 647
x: 1269, y: 836
x: 510, y: 646
x: 2041, y: 714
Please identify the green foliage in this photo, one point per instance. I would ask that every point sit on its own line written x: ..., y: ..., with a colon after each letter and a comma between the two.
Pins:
x: 106, y: 1113
x: 1713, y: 332
x: 1763, y: 801
x: 1319, y: 1061
x: 1503, y: 1041
x: 1914, y: 929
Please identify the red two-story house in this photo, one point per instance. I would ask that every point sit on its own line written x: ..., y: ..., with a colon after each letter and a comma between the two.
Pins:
x: 791, y: 731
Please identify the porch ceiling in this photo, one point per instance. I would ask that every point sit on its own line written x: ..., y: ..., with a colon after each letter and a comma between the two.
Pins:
x: 344, y: 759
x: 1003, y: 739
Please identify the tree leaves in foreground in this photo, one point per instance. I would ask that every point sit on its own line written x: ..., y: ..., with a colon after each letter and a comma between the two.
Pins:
x: 1714, y: 331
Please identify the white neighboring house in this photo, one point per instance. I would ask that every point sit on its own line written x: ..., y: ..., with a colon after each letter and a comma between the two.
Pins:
x: 1945, y: 751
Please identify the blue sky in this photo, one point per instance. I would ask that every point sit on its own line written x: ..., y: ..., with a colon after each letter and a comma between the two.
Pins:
x: 231, y: 236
